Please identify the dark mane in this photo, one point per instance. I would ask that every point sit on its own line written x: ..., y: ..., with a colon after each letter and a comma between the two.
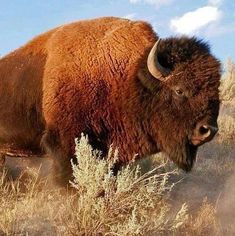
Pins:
x: 181, y: 49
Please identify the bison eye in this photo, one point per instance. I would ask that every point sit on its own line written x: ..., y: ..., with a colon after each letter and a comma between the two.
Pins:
x: 179, y: 92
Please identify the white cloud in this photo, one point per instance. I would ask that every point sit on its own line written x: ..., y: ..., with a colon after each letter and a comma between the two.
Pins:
x: 130, y: 16
x: 156, y: 3
x: 215, y: 2
x: 193, y: 21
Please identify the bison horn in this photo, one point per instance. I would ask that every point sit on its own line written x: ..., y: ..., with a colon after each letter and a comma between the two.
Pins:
x: 154, y: 67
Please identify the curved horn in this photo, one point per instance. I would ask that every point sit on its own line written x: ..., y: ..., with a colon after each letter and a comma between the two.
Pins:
x: 154, y: 67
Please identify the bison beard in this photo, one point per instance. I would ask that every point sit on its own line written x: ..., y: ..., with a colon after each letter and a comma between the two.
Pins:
x: 114, y: 80
x: 184, y: 156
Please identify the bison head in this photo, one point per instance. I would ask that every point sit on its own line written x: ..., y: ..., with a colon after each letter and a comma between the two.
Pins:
x: 184, y: 81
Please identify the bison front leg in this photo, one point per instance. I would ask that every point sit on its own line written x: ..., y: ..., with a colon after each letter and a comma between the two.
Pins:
x: 2, y: 159
x: 61, y: 169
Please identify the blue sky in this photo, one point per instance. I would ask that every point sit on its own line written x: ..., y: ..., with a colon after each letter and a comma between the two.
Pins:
x: 212, y: 20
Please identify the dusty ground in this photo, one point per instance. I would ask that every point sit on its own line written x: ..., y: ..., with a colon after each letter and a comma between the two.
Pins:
x: 17, y: 165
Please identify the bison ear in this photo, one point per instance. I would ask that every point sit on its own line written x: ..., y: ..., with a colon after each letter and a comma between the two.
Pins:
x: 147, y: 80
x: 157, y: 64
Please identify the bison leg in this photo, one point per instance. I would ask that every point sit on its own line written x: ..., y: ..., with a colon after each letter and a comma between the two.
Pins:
x: 62, y: 169
x: 2, y: 159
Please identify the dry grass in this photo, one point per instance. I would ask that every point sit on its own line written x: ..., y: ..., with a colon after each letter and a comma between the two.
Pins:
x: 227, y: 87
x: 130, y: 203
x: 227, y: 127
x: 100, y: 203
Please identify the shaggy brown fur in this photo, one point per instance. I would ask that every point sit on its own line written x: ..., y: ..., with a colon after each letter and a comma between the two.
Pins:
x: 91, y: 77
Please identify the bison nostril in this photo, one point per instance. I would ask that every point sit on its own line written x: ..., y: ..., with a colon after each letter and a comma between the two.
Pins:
x: 204, y: 131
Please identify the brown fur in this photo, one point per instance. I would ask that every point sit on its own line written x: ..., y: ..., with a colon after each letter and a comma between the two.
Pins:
x: 91, y: 77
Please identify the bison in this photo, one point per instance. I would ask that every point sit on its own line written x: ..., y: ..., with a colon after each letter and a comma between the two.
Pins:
x: 116, y: 81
